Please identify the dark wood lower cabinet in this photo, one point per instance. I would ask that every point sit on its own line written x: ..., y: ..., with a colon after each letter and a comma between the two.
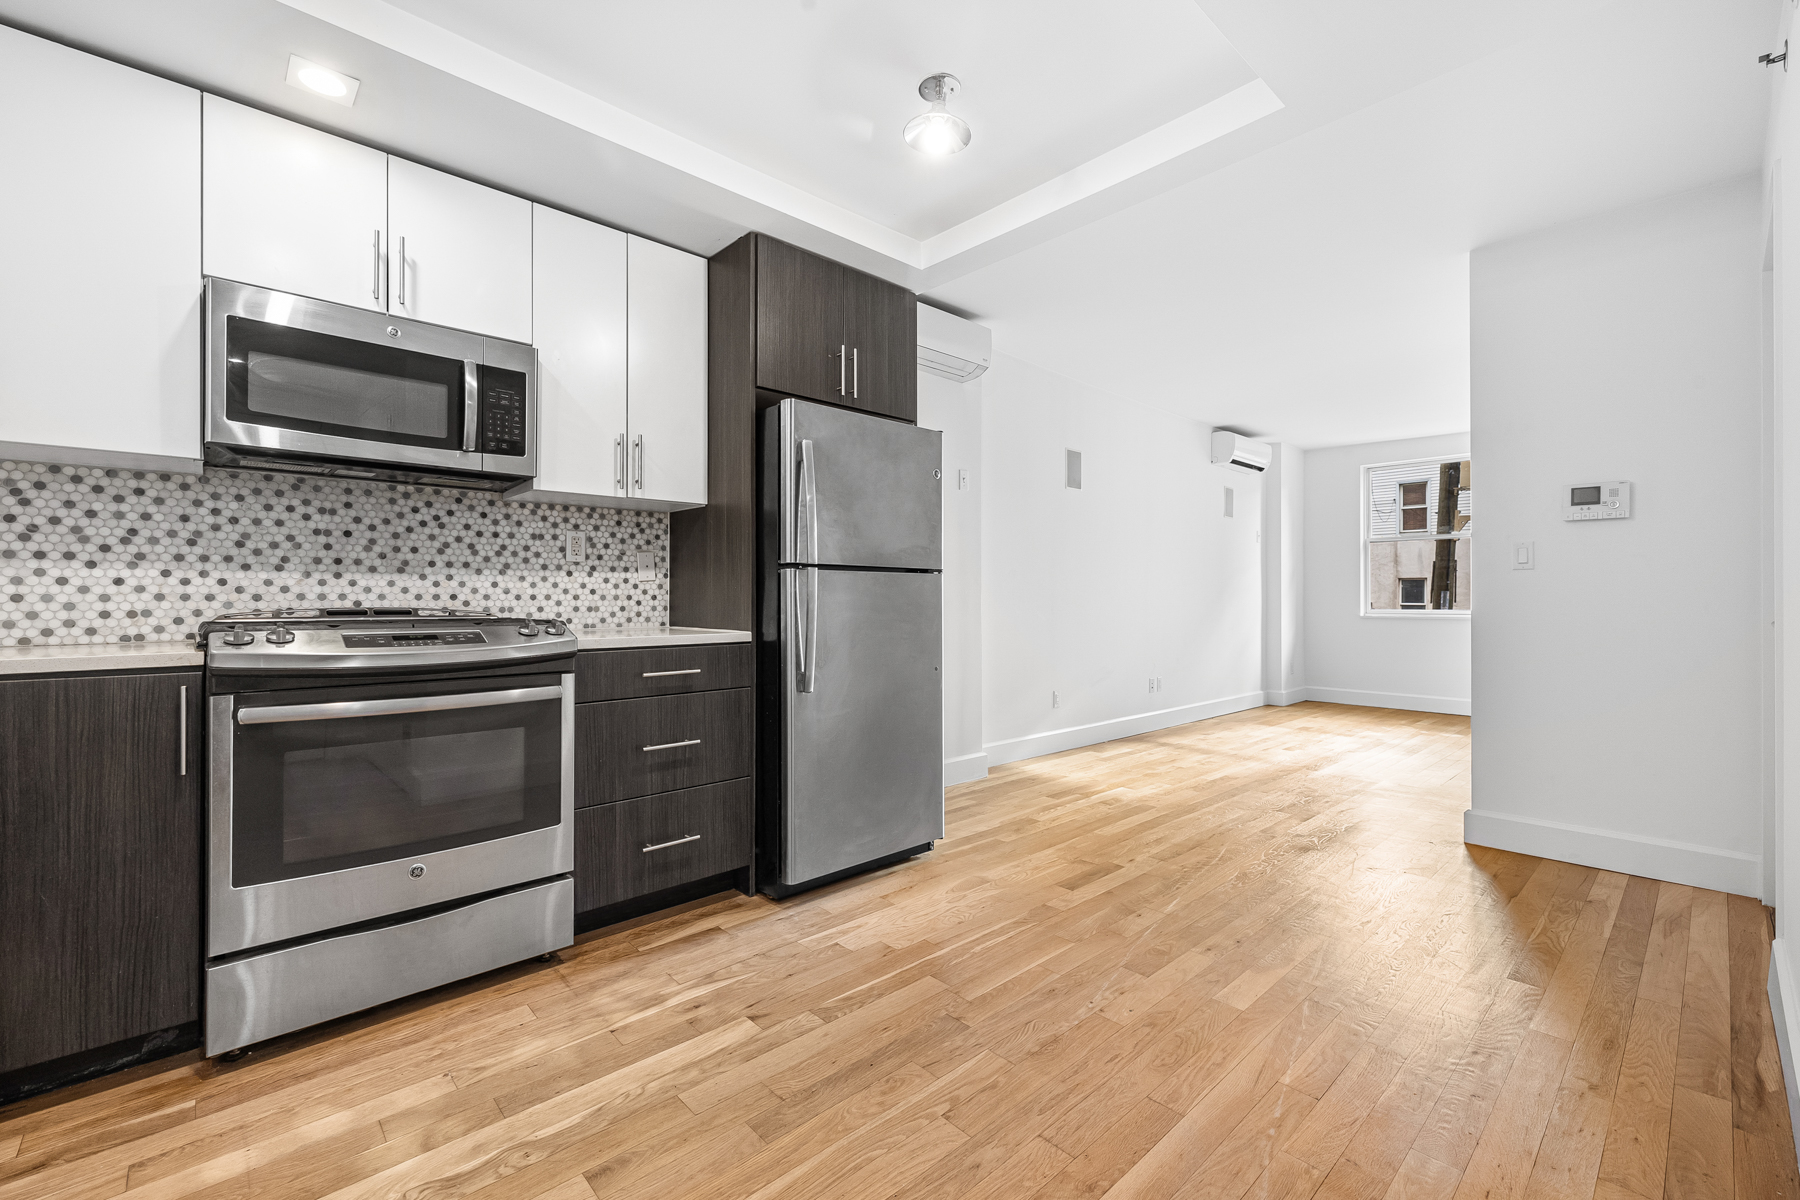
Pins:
x: 99, y: 867
x: 627, y: 748
x: 637, y: 847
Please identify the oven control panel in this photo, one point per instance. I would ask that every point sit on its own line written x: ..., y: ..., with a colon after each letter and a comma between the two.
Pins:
x: 448, y: 637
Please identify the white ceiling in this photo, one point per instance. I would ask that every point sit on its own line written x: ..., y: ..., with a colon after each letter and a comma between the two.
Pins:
x: 1290, y: 256
x: 816, y: 92
x: 1318, y: 292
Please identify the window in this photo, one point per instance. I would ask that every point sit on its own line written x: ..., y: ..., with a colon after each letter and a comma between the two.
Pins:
x: 1417, y: 524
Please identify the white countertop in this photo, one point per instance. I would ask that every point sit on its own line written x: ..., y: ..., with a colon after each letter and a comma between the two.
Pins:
x: 633, y: 637
x: 152, y: 656
x: 106, y: 656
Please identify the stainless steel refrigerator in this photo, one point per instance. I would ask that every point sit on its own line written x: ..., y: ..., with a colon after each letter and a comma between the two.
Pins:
x: 851, y: 759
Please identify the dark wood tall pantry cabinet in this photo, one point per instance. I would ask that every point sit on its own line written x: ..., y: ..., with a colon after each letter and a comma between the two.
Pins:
x: 781, y: 322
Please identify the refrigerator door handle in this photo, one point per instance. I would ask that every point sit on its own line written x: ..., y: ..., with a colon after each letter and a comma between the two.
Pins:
x: 808, y: 507
x: 806, y: 629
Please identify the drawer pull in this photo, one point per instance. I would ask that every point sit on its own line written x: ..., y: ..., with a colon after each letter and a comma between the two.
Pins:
x: 692, y: 837
x: 660, y: 674
x: 672, y: 745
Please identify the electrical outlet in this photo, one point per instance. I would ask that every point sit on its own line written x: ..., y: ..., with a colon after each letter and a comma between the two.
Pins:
x: 1055, y: 700
x: 1153, y: 685
x: 574, y: 547
x: 646, y: 566
x: 1156, y: 683
x: 962, y: 481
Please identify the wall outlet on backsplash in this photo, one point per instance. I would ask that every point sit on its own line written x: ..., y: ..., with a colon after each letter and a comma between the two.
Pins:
x: 92, y: 555
x: 574, y: 547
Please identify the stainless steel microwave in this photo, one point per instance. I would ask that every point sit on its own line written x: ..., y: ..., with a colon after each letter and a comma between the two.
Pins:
x: 294, y: 384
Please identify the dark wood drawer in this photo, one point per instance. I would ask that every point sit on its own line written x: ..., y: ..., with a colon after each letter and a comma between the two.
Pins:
x: 663, y: 671
x: 695, y: 833
x: 700, y: 738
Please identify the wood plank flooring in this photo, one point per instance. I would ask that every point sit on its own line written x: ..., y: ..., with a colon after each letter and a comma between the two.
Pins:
x: 1248, y: 957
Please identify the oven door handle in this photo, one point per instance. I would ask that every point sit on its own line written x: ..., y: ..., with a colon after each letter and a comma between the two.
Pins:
x: 274, y: 713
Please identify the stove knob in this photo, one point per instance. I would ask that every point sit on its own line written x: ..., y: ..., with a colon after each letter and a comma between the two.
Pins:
x: 528, y: 630
x: 281, y: 635
x: 239, y: 636
x: 556, y: 628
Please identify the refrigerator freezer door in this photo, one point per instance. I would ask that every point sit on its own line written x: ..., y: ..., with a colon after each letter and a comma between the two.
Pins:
x: 856, y: 490
x: 863, y: 772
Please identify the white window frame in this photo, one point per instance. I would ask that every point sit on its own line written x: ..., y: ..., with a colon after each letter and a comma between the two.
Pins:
x: 1362, y: 593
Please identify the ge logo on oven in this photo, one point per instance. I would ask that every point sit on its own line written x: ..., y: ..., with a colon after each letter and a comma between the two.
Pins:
x: 417, y: 870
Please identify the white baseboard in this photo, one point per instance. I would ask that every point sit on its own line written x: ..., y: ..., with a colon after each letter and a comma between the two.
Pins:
x: 1610, y: 850
x: 1055, y: 740
x: 1784, y: 993
x: 965, y: 768
x: 1434, y: 704
x: 1283, y: 699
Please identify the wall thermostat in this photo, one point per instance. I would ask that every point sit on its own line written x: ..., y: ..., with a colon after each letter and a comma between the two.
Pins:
x: 1598, y: 501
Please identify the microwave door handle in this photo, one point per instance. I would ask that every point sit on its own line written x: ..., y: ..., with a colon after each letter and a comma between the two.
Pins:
x: 471, y: 402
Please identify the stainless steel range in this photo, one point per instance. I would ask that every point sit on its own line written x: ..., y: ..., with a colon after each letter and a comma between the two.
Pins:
x: 391, y: 807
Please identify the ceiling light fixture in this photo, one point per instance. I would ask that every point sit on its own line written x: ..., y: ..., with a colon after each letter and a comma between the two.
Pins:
x: 322, y: 81
x: 939, y: 131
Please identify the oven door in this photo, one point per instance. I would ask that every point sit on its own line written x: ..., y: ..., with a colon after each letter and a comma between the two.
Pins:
x: 286, y: 374
x: 334, y: 806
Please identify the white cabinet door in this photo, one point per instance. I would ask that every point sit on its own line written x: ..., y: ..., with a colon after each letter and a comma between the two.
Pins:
x: 99, y: 261
x: 578, y: 288
x: 293, y: 209
x: 459, y: 253
x: 666, y: 367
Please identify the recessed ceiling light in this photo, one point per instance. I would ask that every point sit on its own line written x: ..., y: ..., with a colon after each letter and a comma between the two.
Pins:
x: 938, y: 131
x: 322, y: 81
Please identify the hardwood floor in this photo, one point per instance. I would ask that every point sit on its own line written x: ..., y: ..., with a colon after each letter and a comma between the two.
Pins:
x: 1249, y: 957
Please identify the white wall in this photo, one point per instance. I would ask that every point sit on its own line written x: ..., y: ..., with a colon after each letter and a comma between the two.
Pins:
x: 1284, y: 576
x: 955, y: 408
x: 1616, y: 696
x: 1091, y: 593
x: 1413, y: 661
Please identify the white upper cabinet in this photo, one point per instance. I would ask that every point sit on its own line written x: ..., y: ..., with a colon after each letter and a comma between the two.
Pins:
x: 578, y: 282
x: 459, y: 254
x: 100, y: 258
x: 666, y: 369
x: 293, y: 209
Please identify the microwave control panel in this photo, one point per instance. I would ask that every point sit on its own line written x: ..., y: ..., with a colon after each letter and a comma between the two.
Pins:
x: 1598, y: 501
x: 503, y: 429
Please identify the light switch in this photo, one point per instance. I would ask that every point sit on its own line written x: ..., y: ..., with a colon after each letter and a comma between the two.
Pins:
x: 962, y: 481
x: 1524, y: 556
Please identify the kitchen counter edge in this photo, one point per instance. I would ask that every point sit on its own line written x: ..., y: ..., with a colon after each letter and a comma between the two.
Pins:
x: 640, y: 637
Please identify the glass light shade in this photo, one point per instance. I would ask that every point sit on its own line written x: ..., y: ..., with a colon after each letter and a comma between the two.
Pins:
x: 938, y: 132
x: 326, y: 83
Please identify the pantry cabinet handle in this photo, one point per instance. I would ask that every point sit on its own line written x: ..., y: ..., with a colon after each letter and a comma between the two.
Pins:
x: 660, y: 674
x: 184, y: 729
x: 639, y: 484
x: 672, y: 745
x: 619, y: 463
x: 692, y: 837
x: 842, y: 351
x: 375, y: 290
x: 855, y: 372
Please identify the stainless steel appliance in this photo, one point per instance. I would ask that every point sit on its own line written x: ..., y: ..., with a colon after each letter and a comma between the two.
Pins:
x: 390, y: 807
x: 294, y: 384
x: 851, y: 758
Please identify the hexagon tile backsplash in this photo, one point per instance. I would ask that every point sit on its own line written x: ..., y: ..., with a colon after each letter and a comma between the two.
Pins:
x: 90, y: 555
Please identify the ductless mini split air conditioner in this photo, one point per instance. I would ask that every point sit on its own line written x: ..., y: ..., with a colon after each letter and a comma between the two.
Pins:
x: 1236, y: 453
x: 952, y: 347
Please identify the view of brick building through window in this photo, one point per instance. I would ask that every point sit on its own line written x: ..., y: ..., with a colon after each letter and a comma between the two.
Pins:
x: 1417, y: 544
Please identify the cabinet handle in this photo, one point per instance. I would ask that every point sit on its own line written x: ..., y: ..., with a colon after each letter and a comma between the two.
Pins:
x: 692, y: 837
x: 855, y: 363
x: 619, y: 464
x: 184, y: 729
x: 840, y: 370
x: 375, y: 289
x: 660, y: 674
x: 638, y: 484
x: 672, y: 745
x: 403, y: 271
